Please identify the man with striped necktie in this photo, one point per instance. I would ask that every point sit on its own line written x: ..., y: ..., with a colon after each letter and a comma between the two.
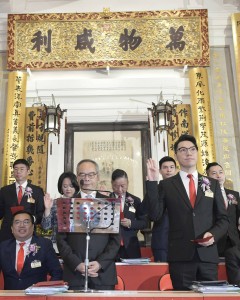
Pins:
x: 103, y: 247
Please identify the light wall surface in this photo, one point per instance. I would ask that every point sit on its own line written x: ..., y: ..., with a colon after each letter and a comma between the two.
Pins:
x: 117, y: 95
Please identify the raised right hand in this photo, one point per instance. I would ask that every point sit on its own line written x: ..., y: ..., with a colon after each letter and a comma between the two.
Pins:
x: 48, y: 201
x: 152, y: 170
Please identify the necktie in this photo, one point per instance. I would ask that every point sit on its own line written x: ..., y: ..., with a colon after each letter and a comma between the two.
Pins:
x: 121, y: 216
x: 89, y: 196
x: 20, y: 258
x: 19, y: 194
x: 224, y: 197
x: 192, y: 190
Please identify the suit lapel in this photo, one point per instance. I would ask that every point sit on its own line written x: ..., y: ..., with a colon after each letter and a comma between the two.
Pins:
x: 12, y: 253
x: 200, y: 192
x: 28, y: 257
x: 177, y: 181
x: 13, y: 193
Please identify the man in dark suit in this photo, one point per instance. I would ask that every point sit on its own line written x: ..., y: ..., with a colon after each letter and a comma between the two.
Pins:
x: 196, y: 210
x: 18, y: 196
x: 38, y: 256
x: 159, y: 241
x: 229, y: 244
x: 133, y: 218
x: 231, y: 201
x: 103, y: 247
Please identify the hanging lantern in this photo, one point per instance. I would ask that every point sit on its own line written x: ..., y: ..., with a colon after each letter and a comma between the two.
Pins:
x: 52, y: 116
x: 162, y: 115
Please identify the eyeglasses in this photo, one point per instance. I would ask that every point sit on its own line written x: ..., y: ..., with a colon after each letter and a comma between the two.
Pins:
x: 89, y: 175
x: 24, y: 222
x: 184, y: 150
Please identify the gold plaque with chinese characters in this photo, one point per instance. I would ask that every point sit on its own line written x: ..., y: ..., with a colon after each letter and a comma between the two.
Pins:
x: 144, y: 39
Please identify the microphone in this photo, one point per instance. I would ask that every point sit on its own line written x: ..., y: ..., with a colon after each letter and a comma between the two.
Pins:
x: 112, y: 203
x: 111, y: 194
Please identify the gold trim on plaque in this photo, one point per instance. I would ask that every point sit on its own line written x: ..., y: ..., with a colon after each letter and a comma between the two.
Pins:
x: 236, y: 43
x: 109, y: 39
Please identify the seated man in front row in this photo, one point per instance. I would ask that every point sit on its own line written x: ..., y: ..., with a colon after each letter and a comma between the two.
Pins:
x: 27, y: 259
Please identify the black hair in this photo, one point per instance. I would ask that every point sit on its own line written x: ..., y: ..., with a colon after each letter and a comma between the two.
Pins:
x: 21, y: 161
x: 212, y: 164
x: 19, y: 212
x: 118, y: 173
x: 166, y: 158
x: 185, y: 137
x: 73, y: 179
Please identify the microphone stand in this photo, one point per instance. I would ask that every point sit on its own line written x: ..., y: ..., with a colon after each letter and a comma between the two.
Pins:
x: 88, y: 231
x: 86, y: 289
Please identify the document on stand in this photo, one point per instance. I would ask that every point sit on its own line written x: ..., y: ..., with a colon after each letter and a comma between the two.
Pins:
x: 136, y: 261
x: 47, y: 288
x: 212, y: 287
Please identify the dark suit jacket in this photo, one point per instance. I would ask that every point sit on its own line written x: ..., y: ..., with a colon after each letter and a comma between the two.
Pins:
x: 186, y: 223
x: 29, y: 275
x: 103, y: 247
x: 8, y: 199
x: 159, y: 240
x: 160, y: 230
x: 138, y: 221
x: 232, y: 234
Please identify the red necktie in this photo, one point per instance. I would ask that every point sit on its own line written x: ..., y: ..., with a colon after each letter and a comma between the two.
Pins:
x: 19, y: 194
x: 20, y: 258
x: 192, y: 190
x: 121, y: 216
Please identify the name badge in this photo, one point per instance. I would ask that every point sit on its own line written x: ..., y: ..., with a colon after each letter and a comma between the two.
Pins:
x: 132, y: 209
x: 31, y: 200
x: 36, y: 264
x: 209, y: 194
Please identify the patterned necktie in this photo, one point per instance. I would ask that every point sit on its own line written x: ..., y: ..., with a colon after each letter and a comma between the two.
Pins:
x: 19, y: 194
x: 192, y: 190
x: 89, y: 196
x: 20, y: 257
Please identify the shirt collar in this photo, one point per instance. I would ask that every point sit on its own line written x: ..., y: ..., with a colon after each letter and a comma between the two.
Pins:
x: 185, y: 174
x: 27, y: 242
x: 83, y: 195
x: 24, y: 185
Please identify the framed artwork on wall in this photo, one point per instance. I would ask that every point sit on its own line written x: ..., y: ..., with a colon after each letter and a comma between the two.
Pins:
x: 113, y: 146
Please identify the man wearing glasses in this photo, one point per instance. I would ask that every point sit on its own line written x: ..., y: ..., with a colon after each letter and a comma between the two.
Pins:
x: 103, y: 247
x: 27, y: 259
x: 197, y: 216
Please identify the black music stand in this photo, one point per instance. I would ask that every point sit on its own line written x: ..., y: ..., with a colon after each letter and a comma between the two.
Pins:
x: 86, y: 215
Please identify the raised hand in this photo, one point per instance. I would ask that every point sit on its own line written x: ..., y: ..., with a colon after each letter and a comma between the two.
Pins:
x: 48, y: 203
x: 152, y: 170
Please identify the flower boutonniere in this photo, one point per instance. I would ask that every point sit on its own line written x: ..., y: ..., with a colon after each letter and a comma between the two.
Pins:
x: 231, y: 199
x: 33, y: 249
x: 205, y: 184
x: 129, y: 201
x: 28, y: 192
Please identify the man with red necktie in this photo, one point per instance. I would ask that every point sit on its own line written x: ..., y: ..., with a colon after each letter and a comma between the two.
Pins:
x: 194, y: 226
x: 27, y: 259
x: 18, y: 196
